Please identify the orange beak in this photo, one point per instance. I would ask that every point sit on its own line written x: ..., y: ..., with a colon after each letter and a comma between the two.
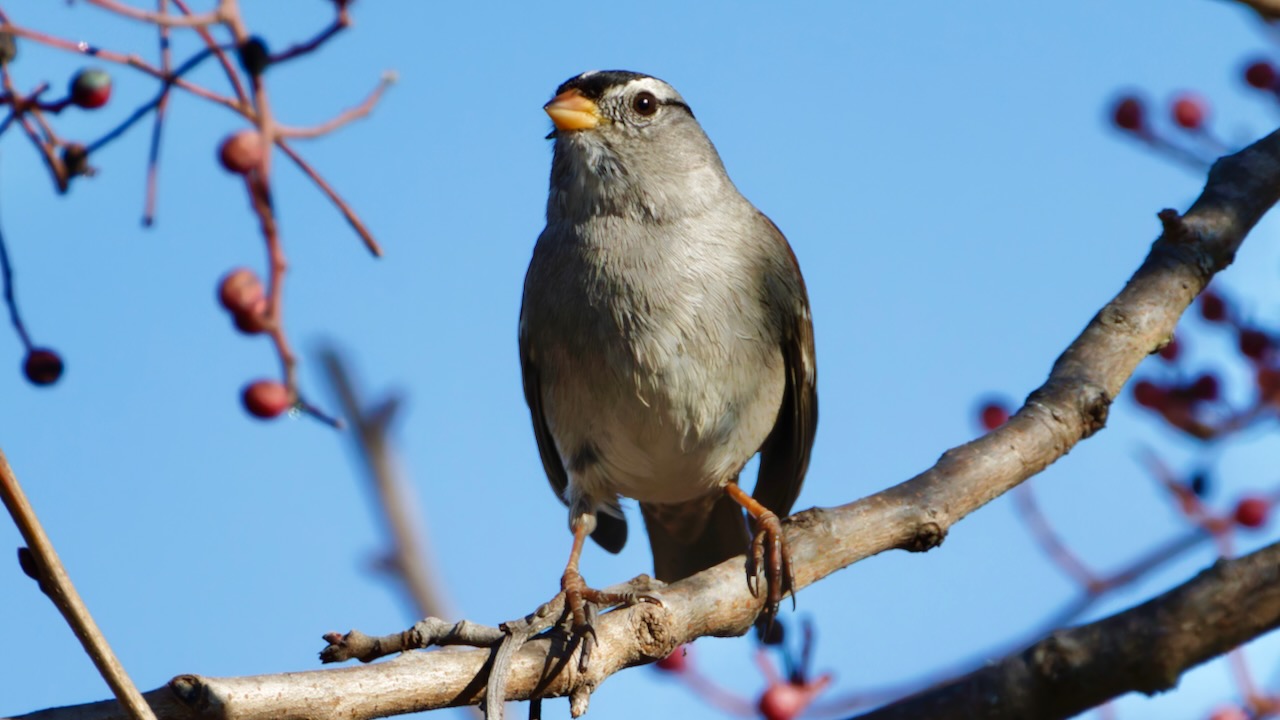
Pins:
x: 571, y: 111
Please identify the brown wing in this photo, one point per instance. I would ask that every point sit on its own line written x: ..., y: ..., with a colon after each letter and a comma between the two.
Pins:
x: 611, y: 531
x: 784, y: 456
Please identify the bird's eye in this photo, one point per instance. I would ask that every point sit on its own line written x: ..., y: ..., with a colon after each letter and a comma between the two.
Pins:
x: 644, y: 104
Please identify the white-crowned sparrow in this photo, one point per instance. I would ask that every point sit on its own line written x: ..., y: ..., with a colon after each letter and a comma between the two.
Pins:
x: 665, y: 338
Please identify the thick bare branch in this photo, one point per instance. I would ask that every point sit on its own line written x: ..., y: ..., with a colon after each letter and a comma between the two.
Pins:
x: 1143, y: 649
x: 915, y: 515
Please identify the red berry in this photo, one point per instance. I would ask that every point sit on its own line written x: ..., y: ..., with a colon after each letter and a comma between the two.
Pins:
x: 1205, y: 387
x: 993, y: 415
x: 676, y: 662
x: 1252, y: 511
x: 241, y: 293
x: 1254, y: 344
x: 1129, y: 114
x: 1149, y: 394
x: 1261, y: 74
x: 1189, y: 111
x: 1170, y: 350
x: 783, y: 701
x: 241, y: 152
x: 1212, y: 307
x: 42, y: 366
x: 90, y: 88
x: 240, y: 290
x: 266, y: 399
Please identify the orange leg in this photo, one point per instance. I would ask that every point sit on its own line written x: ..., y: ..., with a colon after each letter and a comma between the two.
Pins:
x: 576, y: 591
x: 768, y: 545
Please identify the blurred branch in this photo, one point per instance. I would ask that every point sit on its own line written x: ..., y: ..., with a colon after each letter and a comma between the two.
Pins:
x: 1143, y: 649
x: 41, y: 562
x: 406, y: 560
x: 915, y: 515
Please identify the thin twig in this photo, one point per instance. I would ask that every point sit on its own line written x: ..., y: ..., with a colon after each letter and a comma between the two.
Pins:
x: 10, y: 297
x: 57, y: 584
x: 153, y: 155
x: 346, y: 116
x: 227, y: 67
x: 340, y: 22
x: 1043, y: 532
x: 218, y: 15
x: 56, y: 169
x: 132, y: 61
x: 347, y: 211
x: 155, y: 103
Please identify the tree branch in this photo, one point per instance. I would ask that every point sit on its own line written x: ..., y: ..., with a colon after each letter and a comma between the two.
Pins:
x: 46, y: 568
x: 915, y: 515
x: 1145, y: 649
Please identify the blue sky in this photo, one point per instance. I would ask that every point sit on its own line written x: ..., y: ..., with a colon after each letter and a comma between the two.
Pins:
x: 945, y: 174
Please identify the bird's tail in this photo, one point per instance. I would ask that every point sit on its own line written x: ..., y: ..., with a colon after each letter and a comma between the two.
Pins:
x: 686, y: 539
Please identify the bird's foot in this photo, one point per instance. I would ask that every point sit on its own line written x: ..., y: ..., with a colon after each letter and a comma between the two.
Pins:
x: 771, y: 559
x: 582, y: 603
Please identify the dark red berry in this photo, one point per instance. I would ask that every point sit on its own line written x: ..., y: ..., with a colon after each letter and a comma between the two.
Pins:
x: 266, y: 399
x: 1129, y: 114
x: 1260, y: 74
x: 1189, y: 111
x: 1212, y: 307
x: 676, y: 662
x: 241, y: 152
x: 42, y: 366
x: 1170, y: 350
x: 1252, y: 511
x: 783, y: 701
x: 1149, y: 395
x: 1254, y: 344
x: 1205, y: 387
x: 993, y: 415
x: 90, y: 88
x: 252, y: 323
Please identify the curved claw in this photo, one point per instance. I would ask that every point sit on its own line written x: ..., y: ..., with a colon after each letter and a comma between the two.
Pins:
x: 779, y: 577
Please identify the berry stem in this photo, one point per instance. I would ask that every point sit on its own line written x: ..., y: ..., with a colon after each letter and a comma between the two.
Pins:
x: 340, y: 22
x: 10, y: 299
x: 347, y: 211
x: 157, y: 129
